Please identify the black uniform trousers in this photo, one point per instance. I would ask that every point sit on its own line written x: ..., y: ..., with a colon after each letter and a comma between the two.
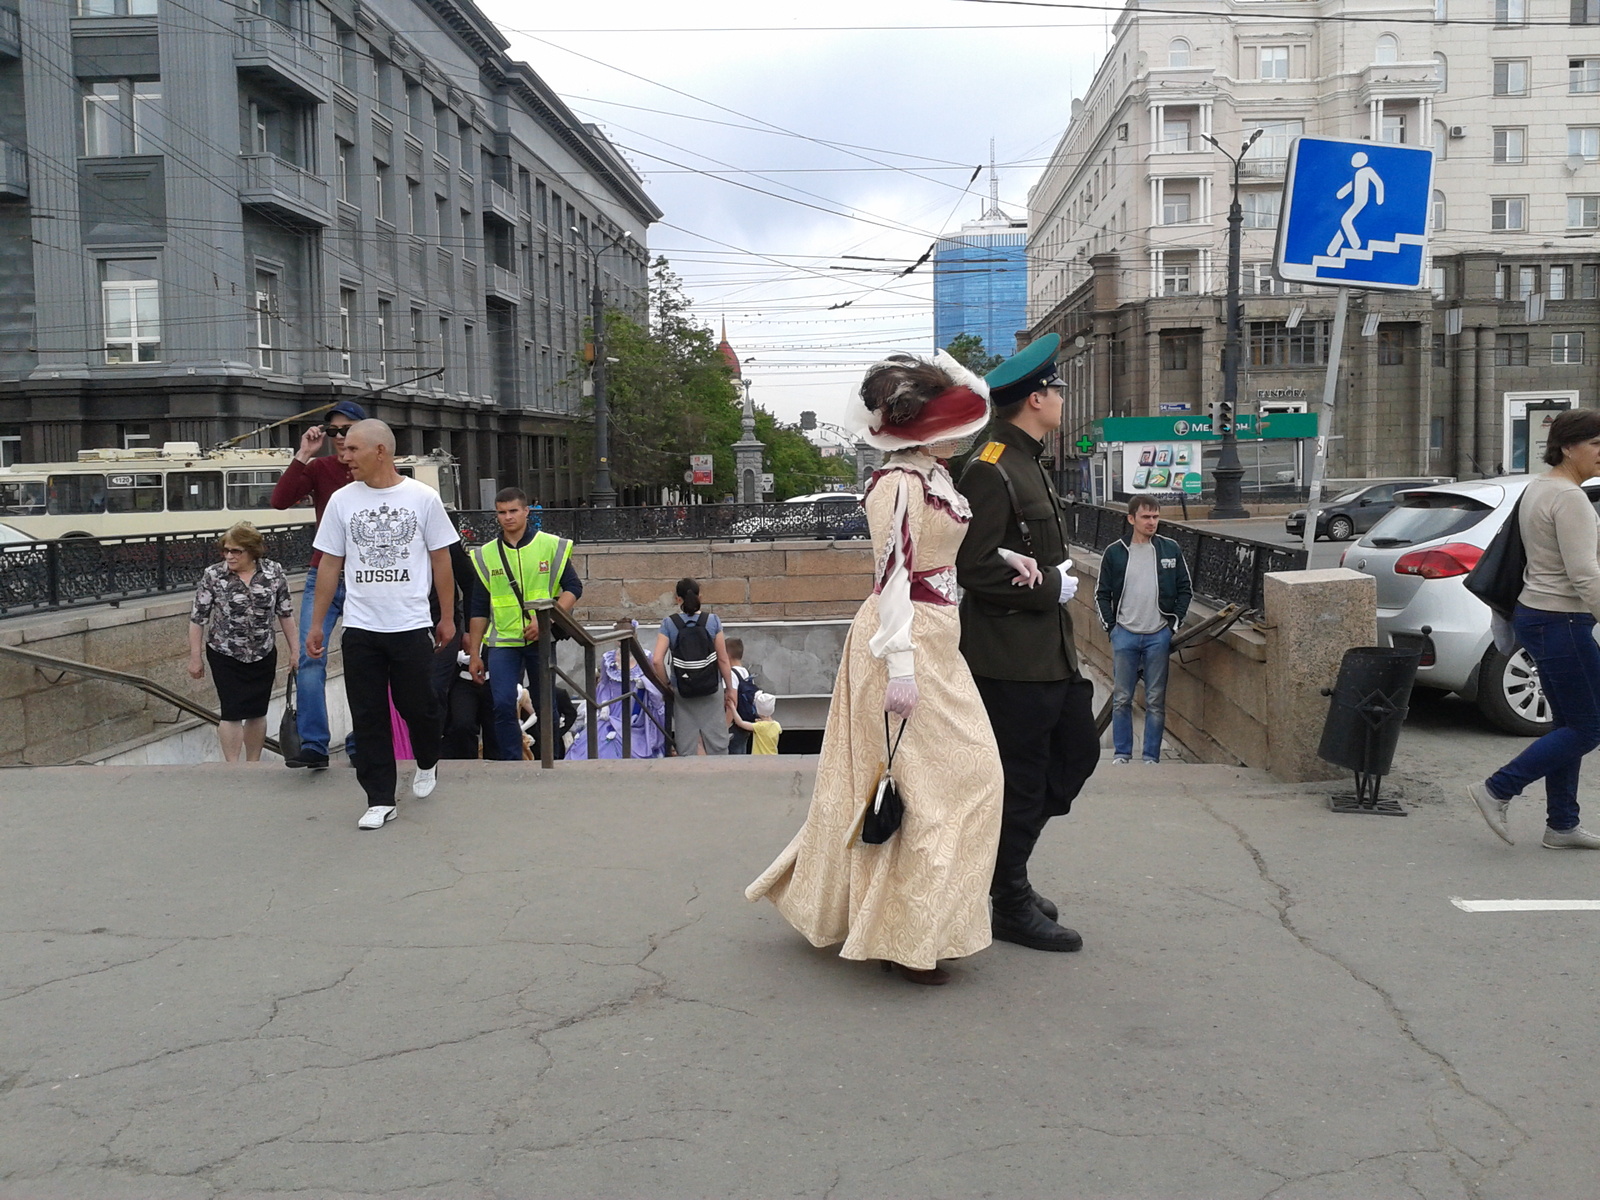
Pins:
x: 1048, y: 749
x: 377, y: 666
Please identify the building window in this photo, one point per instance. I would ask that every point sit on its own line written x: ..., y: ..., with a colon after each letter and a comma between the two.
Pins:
x: 1175, y: 279
x: 1508, y: 213
x: 417, y: 342
x: 1180, y: 351
x: 1508, y: 145
x: 268, y: 318
x: 1583, y: 141
x: 1527, y: 282
x: 380, y: 190
x: 416, y: 218
x: 116, y: 8
x: 130, y: 309
x: 1436, y: 282
x: 1585, y: 12
x: 1441, y: 69
x: 344, y: 165
x: 1566, y: 349
x: 1440, y: 351
x: 1388, y: 48
x: 1441, y: 141
x: 1174, y: 135
x: 445, y: 365
x: 1436, y: 432
x: 1510, y: 349
x: 1558, y: 283
x: 1391, y: 347
x: 1271, y: 149
x: 1441, y: 10
x: 469, y: 356
x: 1273, y: 62
x: 1510, y: 77
x: 1273, y: 344
x: 1260, y: 209
x: 1583, y: 75
x: 385, y: 322
x: 1438, y: 209
x: 347, y: 321
x: 1394, y: 128
x: 1510, y: 12
x: 1583, y: 212
x: 1589, y: 282
x: 1502, y: 282
x: 1178, y: 52
x: 123, y: 116
x: 1175, y: 207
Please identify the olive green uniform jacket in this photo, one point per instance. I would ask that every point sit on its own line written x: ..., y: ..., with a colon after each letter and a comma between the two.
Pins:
x: 1013, y: 632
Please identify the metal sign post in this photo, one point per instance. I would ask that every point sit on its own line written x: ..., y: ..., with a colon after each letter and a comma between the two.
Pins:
x: 1355, y: 214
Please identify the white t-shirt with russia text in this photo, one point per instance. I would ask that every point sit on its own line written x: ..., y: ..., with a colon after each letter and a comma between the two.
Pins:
x: 384, y: 535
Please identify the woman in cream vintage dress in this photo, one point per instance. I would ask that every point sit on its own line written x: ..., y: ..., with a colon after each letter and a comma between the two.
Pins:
x: 924, y: 894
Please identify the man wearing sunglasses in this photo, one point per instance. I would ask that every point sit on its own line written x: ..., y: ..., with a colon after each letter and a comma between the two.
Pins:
x: 317, y: 476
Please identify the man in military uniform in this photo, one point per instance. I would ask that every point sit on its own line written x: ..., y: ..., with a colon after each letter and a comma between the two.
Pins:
x: 1018, y: 640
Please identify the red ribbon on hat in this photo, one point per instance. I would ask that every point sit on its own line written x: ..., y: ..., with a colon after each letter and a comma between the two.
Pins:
x: 950, y: 409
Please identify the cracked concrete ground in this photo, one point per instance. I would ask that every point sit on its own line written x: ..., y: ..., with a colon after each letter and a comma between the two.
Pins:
x: 549, y: 985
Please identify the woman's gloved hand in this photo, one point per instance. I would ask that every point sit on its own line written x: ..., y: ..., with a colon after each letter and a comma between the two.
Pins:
x: 1028, y: 573
x: 1069, y: 583
x: 901, y: 696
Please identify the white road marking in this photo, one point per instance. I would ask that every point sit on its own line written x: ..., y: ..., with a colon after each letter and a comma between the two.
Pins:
x: 1525, y: 905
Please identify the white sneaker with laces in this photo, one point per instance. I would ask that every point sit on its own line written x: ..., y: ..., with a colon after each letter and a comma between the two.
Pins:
x: 422, y: 783
x: 376, y: 817
x: 1576, y: 838
x: 1493, y: 810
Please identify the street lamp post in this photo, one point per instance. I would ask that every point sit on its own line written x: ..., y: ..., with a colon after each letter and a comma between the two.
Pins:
x: 601, y: 493
x: 1229, y: 471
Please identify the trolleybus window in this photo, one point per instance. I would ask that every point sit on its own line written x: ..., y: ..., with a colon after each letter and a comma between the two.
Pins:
x: 22, y: 497
x: 128, y: 492
x: 71, y: 495
x: 194, y: 491
x: 253, y: 489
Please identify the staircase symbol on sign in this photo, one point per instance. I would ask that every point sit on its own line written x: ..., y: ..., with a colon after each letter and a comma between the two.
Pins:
x: 1366, y: 187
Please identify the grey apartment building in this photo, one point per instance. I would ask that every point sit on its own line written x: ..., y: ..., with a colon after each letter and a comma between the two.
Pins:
x: 1128, y: 224
x: 217, y: 215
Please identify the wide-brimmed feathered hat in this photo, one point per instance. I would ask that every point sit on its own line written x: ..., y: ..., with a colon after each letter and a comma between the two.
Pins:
x: 924, y: 409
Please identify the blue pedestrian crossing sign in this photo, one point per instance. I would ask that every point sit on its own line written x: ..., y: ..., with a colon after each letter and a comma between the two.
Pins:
x: 1355, y: 214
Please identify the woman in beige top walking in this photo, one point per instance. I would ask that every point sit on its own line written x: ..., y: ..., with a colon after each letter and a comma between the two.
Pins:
x: 1555, y: 620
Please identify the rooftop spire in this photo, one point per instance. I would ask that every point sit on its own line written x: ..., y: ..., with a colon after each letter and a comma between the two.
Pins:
x: 994, y: 212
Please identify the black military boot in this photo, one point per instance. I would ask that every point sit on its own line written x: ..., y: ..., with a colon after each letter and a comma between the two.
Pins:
x: 1016, y: 914
x: 1047, y: 907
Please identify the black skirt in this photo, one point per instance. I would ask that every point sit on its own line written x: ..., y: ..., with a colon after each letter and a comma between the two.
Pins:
x: 243, y: 689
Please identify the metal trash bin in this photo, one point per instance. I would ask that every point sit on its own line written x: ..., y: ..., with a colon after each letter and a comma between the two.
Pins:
x: 1369, y: 705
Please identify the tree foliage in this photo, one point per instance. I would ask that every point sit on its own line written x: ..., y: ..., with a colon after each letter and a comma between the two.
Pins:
x: 670, y: 394
x: 967, y: 349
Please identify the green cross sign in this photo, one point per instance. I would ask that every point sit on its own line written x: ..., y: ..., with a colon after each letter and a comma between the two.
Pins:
x: 1084, y: 444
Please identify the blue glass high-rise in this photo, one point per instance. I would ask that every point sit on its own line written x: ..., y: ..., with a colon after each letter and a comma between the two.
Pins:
x: 980, y: 283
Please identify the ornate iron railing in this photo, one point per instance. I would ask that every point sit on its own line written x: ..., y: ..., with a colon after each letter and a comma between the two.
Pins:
x: 1224, y: 568
x: 823, y: 519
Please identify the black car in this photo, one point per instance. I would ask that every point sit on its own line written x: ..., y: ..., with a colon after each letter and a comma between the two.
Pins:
x: 1354, y: 511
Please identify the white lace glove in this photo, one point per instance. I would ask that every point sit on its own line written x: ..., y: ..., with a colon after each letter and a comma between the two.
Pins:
x: 1028, y: 573
x: 901, y: 696
x: 1069, y: 583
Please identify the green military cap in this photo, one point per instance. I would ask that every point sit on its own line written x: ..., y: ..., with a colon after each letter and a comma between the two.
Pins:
x: 1027, y: 371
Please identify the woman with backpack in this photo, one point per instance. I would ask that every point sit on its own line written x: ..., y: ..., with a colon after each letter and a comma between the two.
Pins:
x: 923, y: 894
x: 691, y: 648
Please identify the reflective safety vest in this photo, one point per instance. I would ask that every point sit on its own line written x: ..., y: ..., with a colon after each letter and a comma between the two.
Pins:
x: 537, y: 568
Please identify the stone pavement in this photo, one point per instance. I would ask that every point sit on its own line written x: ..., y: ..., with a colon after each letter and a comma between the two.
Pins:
x: 549, y: 985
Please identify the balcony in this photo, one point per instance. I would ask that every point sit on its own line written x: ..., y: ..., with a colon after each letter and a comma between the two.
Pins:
x: 269, y: 182
x: 498, y: 202
x: 10, y: 33
x: 13, y: 172
x: 1262, y: 168
x: 279, y: 58
x: 502, y: 284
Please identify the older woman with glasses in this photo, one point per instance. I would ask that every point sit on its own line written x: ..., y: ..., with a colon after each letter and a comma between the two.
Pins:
x: 235, y: 607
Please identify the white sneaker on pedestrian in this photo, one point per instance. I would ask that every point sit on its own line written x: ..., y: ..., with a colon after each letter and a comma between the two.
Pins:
x: 422, y: 783
x: 1576, y: 838
x: 1119, y: 762
x: 376, y: 817
x: 1493, y: 810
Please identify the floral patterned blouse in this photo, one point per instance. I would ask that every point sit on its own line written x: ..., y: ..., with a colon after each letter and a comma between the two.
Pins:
x: 242, y: 618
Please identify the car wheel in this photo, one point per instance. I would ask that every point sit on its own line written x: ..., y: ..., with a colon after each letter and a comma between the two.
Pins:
x: 1510, y: 696
x: 1340, y: 529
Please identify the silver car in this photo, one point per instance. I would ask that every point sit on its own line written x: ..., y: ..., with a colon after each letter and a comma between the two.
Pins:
x: 1419, y: 554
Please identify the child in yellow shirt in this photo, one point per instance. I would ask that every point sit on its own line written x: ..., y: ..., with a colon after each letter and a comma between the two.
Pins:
x: 764, y: 731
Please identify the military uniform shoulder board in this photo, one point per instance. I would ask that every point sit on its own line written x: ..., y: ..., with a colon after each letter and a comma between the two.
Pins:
x: 991, y: 452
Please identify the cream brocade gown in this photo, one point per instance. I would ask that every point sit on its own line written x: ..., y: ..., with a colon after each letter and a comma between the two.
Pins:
x: 924, y: 894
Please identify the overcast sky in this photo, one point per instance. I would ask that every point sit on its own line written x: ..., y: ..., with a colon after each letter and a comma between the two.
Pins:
x: 779, y: 138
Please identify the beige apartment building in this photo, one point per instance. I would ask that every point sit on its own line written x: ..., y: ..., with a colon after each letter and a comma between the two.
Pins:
x: 1128, y: 224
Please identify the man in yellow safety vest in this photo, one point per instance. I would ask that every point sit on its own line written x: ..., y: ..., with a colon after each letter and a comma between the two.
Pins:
x: 517, y: 568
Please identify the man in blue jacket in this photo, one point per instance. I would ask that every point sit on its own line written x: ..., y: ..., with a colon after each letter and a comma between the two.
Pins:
x: 1142, y: 596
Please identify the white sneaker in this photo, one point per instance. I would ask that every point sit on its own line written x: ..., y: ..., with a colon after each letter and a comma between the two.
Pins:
x: 1576, y: 838
x: 422, y: 783
x: 376, y: 817
x: 1493, y: 810
x: 1119, y: 762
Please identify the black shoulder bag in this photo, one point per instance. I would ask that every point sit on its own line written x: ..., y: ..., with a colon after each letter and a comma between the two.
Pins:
x: 1497, y: 579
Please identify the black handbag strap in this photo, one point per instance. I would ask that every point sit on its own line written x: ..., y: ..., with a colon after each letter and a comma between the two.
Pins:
x: 516, y: 590
x: 895, y: 745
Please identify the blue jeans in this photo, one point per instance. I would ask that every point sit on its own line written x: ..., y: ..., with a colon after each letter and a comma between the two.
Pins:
x: 1133, y: 655
x: 1563, y: 645
x: 311, y: 675
x: 506, y: 665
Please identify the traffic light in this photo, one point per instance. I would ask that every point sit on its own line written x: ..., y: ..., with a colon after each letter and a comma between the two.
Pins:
x: 1221, y: 417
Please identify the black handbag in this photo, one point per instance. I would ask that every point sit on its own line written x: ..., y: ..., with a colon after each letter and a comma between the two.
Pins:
x: 885, y: 808
x: 1497, y: 578
x: 289, y: 723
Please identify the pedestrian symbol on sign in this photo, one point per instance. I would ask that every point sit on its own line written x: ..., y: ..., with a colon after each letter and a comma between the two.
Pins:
x: 1366, y: 182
